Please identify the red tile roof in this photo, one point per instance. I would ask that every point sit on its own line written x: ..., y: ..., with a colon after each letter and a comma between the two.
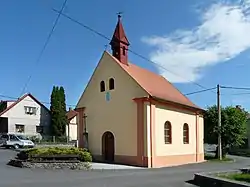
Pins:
x: 71, y: 114
x: 20, y: 99
x: 156, y: 85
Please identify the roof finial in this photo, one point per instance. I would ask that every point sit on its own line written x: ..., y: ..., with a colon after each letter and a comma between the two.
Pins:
x: 119, y: 15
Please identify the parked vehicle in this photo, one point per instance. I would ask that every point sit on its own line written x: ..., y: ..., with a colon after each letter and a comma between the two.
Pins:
x: 15, y: 141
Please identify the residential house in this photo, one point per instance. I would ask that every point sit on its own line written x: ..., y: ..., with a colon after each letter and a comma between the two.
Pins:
x: 26, y: 116
x: 71, y: 128
x: 135, y: 116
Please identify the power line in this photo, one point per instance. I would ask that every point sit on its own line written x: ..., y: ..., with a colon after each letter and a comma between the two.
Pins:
x: 200, y: 91
x: 235, y: 88
x: 43, y: 102
x: 135, y: 53
x: 244, y: 93
x: 45, y: 45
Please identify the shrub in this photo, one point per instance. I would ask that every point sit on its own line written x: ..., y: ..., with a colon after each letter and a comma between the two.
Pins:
x: 61, y: 139
x: 83, y: 153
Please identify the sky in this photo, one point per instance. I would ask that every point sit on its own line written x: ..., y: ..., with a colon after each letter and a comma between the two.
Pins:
x: 191, y: 43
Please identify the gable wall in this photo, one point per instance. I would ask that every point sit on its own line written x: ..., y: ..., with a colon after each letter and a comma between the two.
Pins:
x: 119, y: 115
x: 16, y: 115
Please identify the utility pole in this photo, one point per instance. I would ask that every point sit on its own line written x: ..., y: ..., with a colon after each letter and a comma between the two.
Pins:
x: 219, y: 123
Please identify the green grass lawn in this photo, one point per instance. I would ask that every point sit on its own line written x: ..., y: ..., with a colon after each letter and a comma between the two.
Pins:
x: 238, y: 177
x: 212, y: 158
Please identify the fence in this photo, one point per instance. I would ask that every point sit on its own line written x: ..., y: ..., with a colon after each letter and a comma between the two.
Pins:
x: 51, y: 140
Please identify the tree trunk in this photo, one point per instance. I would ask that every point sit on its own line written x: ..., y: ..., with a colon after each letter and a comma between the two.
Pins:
x: 224, y: 152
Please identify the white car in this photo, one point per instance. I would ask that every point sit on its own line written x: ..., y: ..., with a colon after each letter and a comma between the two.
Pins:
x: 15, y: 141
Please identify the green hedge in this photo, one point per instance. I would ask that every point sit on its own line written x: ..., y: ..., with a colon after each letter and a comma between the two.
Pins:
x: 84, y: 154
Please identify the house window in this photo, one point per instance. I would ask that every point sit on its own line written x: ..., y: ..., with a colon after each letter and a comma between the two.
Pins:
x: 167, y: 132
x: 19, y: 128
x: 30, y: 110
x: 102, y: 86
x: 185, y: 133
x: 39, y: 129
x: 111, y: 84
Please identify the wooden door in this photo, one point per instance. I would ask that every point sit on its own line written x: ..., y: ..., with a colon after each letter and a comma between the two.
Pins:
x: 108, y: 146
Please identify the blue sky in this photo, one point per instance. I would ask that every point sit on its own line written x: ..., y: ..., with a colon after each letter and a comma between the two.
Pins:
x: 207, y: 43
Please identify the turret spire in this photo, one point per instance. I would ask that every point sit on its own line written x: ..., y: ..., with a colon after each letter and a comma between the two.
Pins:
x: 119, y: 43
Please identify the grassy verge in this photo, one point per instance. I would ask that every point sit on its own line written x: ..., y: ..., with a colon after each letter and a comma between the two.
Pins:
x: 238, y: 177
x: 212, y: 158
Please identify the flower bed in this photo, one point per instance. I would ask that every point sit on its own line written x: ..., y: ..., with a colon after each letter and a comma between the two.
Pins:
x: 53, y: 157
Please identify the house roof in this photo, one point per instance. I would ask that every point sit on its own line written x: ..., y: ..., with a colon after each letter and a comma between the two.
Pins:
x: 71, y: 114
x: 20, y: 99
x: 155, y: 85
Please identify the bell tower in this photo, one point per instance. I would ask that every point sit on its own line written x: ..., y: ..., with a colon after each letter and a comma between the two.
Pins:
x: 119, y: 43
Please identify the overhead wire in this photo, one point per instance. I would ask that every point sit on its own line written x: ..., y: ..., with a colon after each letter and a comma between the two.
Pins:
x: 200, y: 91
x: 235, y: 88
x: 45, y: 45
x: 43, y: 102
x: 133, y: 52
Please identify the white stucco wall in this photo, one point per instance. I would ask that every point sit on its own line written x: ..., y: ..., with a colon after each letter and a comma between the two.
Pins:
x: 16, y: 115
x: 72, y: 129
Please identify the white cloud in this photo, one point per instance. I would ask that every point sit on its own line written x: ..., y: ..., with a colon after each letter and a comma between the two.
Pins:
x: 223, y: 33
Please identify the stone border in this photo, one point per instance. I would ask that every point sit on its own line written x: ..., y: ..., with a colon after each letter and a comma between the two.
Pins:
x: 209, y: 179
x: 50, y: 165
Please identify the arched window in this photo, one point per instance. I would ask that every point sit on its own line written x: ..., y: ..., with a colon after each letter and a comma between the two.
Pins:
x: 185, y: 133
x: 111, y: 84
x: 124, y: 50
x: 167, y: 132
x: 102, y: 86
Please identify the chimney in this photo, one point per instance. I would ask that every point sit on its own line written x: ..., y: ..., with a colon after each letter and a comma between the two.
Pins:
x: 238, y: 107
x: 70, y: 108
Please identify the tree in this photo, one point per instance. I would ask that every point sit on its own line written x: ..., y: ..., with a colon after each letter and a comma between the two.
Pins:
x: 233, y: 126
x: 63, y: 111
x: 58, y: 111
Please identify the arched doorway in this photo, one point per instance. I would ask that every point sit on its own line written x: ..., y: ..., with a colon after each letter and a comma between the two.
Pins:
x: 108, y: 146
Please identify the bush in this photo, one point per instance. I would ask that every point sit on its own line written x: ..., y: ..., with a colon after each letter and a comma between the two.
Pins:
x: 84, y: 154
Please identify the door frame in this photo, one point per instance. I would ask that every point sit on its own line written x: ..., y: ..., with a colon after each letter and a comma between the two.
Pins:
x: 108, y: 146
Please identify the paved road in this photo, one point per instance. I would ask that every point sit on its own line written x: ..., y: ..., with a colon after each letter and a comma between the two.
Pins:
x: 171, y: 177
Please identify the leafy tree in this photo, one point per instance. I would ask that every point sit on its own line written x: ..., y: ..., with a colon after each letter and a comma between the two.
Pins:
x: 233, y: 126
x: 58, y: 111
x: 3, y: 105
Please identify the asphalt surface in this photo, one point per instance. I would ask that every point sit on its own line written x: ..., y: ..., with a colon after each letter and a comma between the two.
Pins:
x: 163, y: 177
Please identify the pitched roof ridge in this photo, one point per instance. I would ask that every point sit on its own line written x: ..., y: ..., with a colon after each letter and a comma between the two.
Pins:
x: 71, y: 114
x: 13, y: 104
x: 20, y: 99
